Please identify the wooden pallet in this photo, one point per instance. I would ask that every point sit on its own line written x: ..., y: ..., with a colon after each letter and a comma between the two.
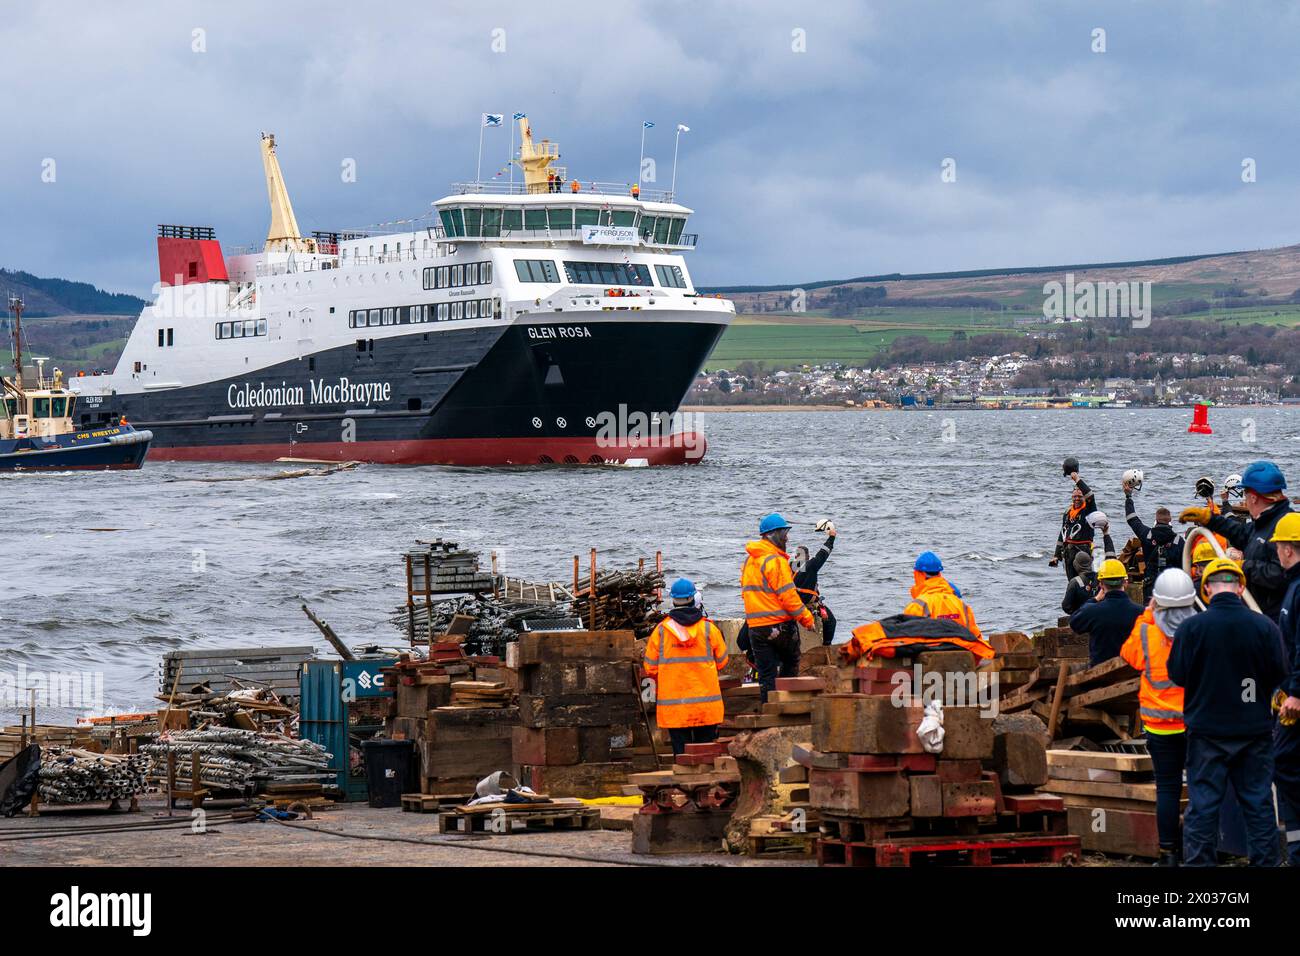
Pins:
x: 431, y: 802
x: 486, y: 820
x: 783, y: 843
x: 1002, y: 849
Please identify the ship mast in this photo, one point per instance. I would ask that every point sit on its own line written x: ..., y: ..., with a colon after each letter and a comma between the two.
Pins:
x: 283, y: 235
x: 535, y: 158
x: 16, y: 307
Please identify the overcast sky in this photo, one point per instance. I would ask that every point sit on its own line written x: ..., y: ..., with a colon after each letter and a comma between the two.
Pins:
x: 800, y: 165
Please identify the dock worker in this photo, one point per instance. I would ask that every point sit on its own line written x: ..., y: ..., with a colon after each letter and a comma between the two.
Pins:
x: 805, y: 571
x: 1077, y: 533
x: 1286, y: 735
x: 1162, y: 546
x: 1108, y: 619
x: 684, y: 654
x: 1228, y: 660
x: 1082, y: 587
x: 933, y: 596
x: 636, y: 190
x: 1266, y: 503
x: 573, y: 186
x: 772, y: 604
x: 1160, y: 700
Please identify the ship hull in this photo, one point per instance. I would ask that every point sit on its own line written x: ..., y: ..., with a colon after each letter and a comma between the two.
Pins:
x: 72, y: 454
x: 578, y: 392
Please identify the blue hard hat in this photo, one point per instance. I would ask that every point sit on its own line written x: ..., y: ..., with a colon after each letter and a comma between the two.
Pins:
x: 928, y: 563
x: 1263, y: 477
x: 772, y: 522
x: 682, y: 589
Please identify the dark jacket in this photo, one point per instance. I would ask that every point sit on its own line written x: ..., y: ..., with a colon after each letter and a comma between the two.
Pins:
x: 1288, y: 622
x: 1076, y: 528
x: 1162, y: 546
x: 806, y: 580
x: 1108, y: 623
x: 1222, y: 657
x: 1081, y: 589
x: 1264, y: 574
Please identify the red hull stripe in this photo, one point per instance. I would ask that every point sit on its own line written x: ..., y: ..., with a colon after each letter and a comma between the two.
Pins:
x: 680, y: 449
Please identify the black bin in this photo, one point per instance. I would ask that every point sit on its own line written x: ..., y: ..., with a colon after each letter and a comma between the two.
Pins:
x: 390, y: 771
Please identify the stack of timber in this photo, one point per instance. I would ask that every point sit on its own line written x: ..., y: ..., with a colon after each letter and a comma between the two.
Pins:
x: 248, y: 708
x: 885, y: 801
x: 1077, y: 701
x: 622, y: 600
x: 790, y: 705
x: 1014, y: 660
x: 123, y: 733
x: 221, y: 670
x: 686, y: 809
x: 579, y: 713
x: 16, y: 738
x: 443, y: 567
x: 1110, y: 797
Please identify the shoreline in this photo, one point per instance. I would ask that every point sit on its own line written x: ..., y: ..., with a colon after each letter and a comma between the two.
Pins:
x: 700, y: 409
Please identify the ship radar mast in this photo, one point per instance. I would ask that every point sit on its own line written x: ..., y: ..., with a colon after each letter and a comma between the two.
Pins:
x: 283, y: 235
x: 535, y: 158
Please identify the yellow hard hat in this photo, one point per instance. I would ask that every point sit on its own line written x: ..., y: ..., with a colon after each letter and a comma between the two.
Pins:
x: 1287, y: 528
x: 1112, y: 569
x: 1222, y: 566
x: 1204, y: 551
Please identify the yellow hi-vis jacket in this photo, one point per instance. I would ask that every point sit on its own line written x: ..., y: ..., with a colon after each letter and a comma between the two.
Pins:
x: 684, y: 662
x: 767, y: 587
x: 934, y: 597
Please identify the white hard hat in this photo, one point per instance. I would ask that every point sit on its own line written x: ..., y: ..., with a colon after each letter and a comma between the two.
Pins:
x: 1174, y: 589
x: 1134, y: 477
x: 1098, y: 519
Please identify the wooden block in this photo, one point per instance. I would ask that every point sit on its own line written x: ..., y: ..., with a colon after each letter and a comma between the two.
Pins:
x: 668, y: 833
x: 1116, y: 832
x: 926, y: 794
x: 795, y: 773
x: 548, y: 647
x: 859, y: 794
x: 788, y: 696
x: 177, y: 718
x: 597, y: 744
x: 809, y: 685
x: 968, y: 733
x: 1033, y: 803
x: 579, y: 677
x: 1020, y: 759
x: 855, y: 723
x: 806, y: 756
x: 957, y: 771
x: 545, y: 746
x: 946, y: 662
x: 727, y: 765
x: 977, y: 798
x: 408, y: 728
x: 416, y: 700
x: 578, y: 780
x: 916, y: 763
x: 578, y: 710
x: 790, y: 707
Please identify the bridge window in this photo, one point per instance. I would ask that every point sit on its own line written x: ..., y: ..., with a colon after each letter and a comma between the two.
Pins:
x: 41, y: 407
x: 671, y: 277
x: 586, y: 217
x: 607, y: 273
x: 561, y: 218
x: 512, y: 220
x: 534, y: 218
x: 536, y: 270
x: 58, y: 407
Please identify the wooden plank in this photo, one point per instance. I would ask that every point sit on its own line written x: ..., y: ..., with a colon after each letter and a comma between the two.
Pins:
x: 1101, y: 760
x: 1123, y: 692
x: 1058, y: 697
x: 1145, y: 792
x: 1105, y: 671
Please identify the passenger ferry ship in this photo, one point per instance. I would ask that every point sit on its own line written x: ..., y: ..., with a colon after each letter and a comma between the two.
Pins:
x: 529, y: 323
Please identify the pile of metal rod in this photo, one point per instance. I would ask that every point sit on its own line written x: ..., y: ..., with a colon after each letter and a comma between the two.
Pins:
x: 497, y: 620
x: 624, y: 600
x: 69, y: 775
x: 234, y: 759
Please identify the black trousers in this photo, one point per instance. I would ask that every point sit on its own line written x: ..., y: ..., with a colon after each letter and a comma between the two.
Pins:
x: 681, y: 736
x: 776, y: 654
x: 1168, y: 759
x: 828, y: 626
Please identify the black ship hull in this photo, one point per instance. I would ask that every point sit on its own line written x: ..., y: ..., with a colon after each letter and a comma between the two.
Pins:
x: 576, y: 393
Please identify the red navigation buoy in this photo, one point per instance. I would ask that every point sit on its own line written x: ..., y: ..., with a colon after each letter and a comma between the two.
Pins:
x: 1201, y: 419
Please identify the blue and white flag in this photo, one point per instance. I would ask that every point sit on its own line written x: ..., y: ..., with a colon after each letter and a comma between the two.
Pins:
x: 493, y: 119
x: 647, y: 125
x: 519, y: 116
x: 683, y: 128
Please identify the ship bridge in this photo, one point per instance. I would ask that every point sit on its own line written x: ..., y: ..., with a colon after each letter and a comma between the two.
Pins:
x: 476, y: 212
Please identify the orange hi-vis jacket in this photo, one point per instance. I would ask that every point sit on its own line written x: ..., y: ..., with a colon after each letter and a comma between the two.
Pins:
x: 1160, y: 700
x: 684, y: 661
x: 934, y: 597
x: 767, y: 587
x: 906, y: 634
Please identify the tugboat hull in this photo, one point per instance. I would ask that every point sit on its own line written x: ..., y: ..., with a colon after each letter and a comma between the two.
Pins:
x: 121, y: 450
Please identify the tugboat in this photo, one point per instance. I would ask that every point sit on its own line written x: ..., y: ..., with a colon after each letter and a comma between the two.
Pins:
x: 36, y: 431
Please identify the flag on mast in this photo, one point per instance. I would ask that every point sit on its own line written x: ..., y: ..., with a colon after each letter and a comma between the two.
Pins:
x: 493, y: 119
